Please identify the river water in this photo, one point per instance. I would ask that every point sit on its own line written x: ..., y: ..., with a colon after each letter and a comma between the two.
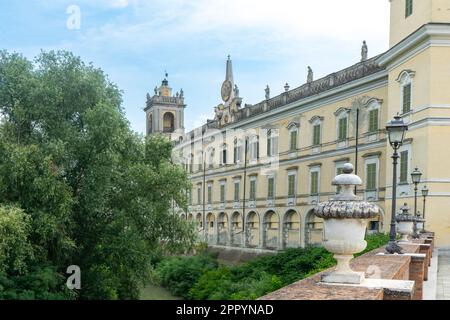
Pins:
x: 152, y: 292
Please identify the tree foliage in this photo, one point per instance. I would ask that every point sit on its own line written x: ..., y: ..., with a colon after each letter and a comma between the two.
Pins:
x: 87, y: 190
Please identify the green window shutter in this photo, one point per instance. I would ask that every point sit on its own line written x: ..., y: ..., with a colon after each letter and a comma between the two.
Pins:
x: 409, y: 8
x: 209, y: 194
x: 371, y: 180
x: 314, y: 182
x: 222, y: 193
x: 236, y: 192
x: 270, y: 191
x: 253, y: 190
x: 407, y: 98
x: 199, y: 196
x: 269, y: 146
x: 404, y: 166
x: 293, y: 146
x: 316, y: 135
x: 343, y: 129
x: 373, y: 120
x: 291, y: 185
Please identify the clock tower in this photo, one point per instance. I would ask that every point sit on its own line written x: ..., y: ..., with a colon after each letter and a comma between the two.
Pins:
x: 230, y: 95
x: 165, y: 112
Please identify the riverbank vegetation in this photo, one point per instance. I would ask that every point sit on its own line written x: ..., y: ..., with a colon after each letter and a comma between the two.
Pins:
x: 201, y: 277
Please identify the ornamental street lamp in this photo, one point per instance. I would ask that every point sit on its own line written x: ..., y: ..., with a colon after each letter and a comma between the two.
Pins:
x: 415, y: 176
x: 396, y: 131
x: 425, y: 195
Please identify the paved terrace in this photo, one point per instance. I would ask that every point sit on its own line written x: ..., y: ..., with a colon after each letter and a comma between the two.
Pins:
x: 376, y: 265
x: 443, y: 275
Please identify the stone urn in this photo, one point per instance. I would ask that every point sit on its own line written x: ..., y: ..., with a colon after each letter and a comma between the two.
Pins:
x: 405, y: 223
x: 420, y: 223
x: 345, y: 221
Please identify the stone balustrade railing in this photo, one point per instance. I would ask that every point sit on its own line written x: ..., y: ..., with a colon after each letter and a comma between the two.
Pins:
x: 411, y: 269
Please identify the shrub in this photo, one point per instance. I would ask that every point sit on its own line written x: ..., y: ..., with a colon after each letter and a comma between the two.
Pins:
x: 179, y: 274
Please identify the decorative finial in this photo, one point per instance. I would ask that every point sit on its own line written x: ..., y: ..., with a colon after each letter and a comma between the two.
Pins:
x: 348, y: 168
x: 229, y: 57
x: 286, y: 87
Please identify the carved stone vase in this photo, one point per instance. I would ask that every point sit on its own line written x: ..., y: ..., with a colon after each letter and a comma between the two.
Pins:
x: 345, y: 222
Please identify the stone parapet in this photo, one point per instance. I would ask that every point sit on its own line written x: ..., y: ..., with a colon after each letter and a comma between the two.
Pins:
x: 380, y: 269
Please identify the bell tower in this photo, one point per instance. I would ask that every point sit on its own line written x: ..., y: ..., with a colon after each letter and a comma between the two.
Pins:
x: 409, y: 15
x: 165, y: 112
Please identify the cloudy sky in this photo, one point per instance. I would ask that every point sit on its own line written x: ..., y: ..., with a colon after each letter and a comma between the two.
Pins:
x: 135, y: 41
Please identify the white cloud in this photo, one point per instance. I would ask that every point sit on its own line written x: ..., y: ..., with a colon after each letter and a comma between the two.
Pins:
x: 268, y: 28
x: 118, y: 3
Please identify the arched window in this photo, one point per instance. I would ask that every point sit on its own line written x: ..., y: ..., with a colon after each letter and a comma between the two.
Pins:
x: 168, y: 122
x: 293, y: 136
x: 272, y: 143
x: 373, y: 113
x: 406, y: 90
x: 342, y: 123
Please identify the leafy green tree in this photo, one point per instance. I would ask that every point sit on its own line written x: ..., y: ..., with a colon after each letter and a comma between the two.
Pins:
x: 95, y: 194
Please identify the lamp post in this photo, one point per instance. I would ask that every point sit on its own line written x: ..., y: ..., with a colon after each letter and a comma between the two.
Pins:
x: 396, y: 131
x: 415, y: 176
x: 425, y: 195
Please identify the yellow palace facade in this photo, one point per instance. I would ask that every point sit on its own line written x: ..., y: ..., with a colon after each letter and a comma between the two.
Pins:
x: 257, y: 171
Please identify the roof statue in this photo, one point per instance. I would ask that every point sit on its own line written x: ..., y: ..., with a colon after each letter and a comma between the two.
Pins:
x: 364, y: 51
x: 267, y: 92
x: 310, y: 75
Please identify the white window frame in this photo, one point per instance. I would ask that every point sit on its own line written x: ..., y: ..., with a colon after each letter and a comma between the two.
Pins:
x: 342, y: 113
x: 236, y: 204
x: 253, y: 146
x: 223, y: 148
x: 405, y: 78
x: 223, y: 183
x: 314, y: 199
x: 372, y: 195
x: 272, y: 135
x: 291, y: 201
x: 293, y: 127
x: 252, y: 202
x: 209, y: 204
x: 316, y: 120
x: 373, y: 104
x: 405, y: 190
x: 237, y: 146
x: 271, y: 201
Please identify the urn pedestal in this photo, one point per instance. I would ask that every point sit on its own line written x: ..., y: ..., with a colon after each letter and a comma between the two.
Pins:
x: 345, y: 221
x: 344, y: 238
x: 405, y: 223
x: 406, y: 229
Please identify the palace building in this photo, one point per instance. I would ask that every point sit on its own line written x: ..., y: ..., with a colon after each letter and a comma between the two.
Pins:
x: 258, y: 170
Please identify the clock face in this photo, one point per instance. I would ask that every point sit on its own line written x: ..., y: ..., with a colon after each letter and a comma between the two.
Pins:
x: 226, y: 90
